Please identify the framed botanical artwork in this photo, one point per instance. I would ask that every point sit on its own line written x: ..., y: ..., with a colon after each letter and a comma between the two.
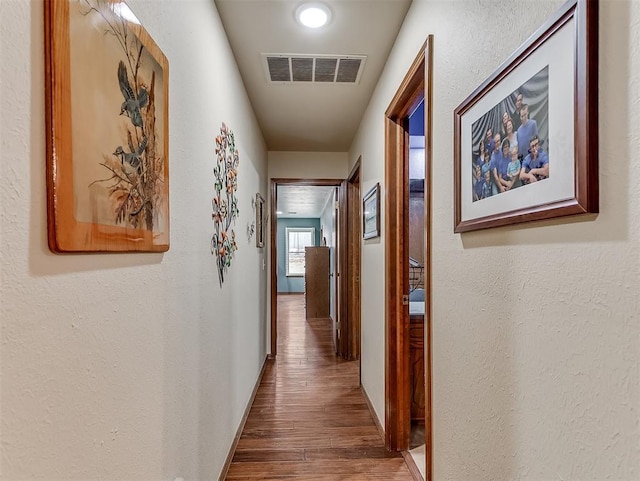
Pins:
x: 260, y: 220
x: 526, y: 141
x: 107, y: 130
x: 371, y: 213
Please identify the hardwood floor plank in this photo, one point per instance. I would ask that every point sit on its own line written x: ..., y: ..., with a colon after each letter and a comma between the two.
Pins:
x: 399, y: 476
x: 257, y: 455
x: 309, y: 420
x: 334, y: 466
x: 303, y: 441
x: 366, y: 452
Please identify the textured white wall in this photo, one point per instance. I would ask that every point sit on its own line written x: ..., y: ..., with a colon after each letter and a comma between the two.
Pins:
x: 536, y: 344
x: 128, y: 366
x: 308, y: 165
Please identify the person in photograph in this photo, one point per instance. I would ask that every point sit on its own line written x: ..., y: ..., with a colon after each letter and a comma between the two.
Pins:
x: 486, y: 167
x: 497, y: 139
x: 513, y: 169
x: 515, y: 115
x: 478, y: 181
x: 511, y: 135
x: 489, y: 142
x: 500, y: 161
x: 536, y: 165
x: 481, y: 149
x: 503, y: 126
x: 496, y: 159
x: 487, y: 186
x: 476, y: 172
x: 526, y: 131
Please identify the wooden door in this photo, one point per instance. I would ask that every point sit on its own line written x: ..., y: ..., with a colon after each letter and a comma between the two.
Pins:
x: 351, y: 243
x: 415, y: 88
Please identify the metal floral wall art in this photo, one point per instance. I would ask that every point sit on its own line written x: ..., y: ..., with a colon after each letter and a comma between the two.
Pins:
x: 225, y: 202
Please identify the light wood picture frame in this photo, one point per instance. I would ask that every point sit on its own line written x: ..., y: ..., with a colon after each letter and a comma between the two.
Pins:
x: 107, y: 130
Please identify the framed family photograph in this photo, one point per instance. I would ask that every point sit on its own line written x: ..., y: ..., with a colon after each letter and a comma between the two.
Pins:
x: 371, y: 213
x: 526, y: 140
x: 107, y: 130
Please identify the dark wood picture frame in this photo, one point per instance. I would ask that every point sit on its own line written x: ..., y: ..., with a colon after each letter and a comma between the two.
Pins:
x: 371, y: 213
x: 260, y: 221
x: 571, y: 190
x: 107, y: 118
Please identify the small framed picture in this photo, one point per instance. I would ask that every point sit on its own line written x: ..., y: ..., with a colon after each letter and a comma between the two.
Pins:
x: 260, y: 220
x: 371, y: 213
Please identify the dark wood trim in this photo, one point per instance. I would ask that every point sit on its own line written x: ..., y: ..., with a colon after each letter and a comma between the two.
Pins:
x: 398, y: 408
x: 416, y: 86
x: 343, y: 254
x: 586, y: 113
x: 349, y: 259
x: 353, y: 261
x: 413, y: 467
x: 397, y: 386
x: 355, y: 170
x: 372, y: 411
x: 411, y: 90
x: 274, y: 182
x: 428, y: 223
x: 243, y: 421
x: 273, y: 257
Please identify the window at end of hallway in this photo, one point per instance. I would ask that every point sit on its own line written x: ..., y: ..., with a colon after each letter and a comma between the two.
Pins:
x: 297, y: 239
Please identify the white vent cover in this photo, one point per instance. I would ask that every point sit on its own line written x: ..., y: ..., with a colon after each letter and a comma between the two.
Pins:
x: 342, y: 69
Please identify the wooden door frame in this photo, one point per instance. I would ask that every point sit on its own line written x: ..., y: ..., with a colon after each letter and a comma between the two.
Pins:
x: 350, y: 266
x: 416, y: 86
x: 273, y: 251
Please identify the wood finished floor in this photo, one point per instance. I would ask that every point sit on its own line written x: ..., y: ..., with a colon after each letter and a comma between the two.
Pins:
x: 309, y: 420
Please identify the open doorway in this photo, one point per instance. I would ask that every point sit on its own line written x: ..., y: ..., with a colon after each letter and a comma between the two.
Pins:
x: 402, y: 269
x: 416, y: 277
x: 306, y: 213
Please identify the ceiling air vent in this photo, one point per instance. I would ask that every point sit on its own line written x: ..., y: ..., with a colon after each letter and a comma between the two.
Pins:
x: 341, y: 69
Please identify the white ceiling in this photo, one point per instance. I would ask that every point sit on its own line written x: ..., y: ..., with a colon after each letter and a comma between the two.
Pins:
x: 306, y: 201
x: 305, y: 116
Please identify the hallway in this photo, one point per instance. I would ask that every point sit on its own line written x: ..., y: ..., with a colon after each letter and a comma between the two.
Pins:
x: 310, y: 420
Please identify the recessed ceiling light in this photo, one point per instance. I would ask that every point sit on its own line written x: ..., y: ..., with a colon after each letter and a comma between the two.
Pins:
x: 313, y: 15
x: 279, y: 212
